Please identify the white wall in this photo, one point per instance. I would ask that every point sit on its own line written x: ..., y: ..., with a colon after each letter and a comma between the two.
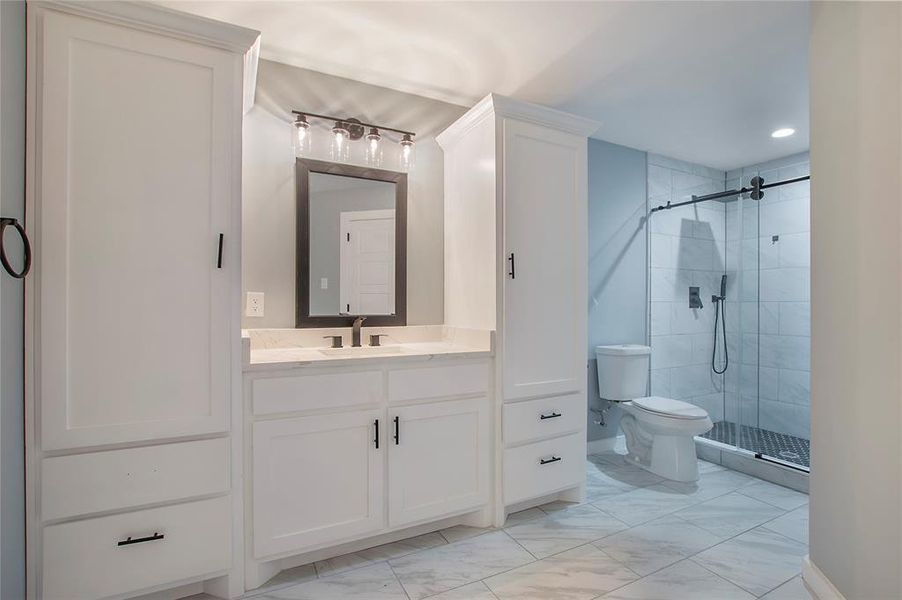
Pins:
x: 856, y: 277
x: 268, y: 245
x: 12, y: 204
x: 617, y: 261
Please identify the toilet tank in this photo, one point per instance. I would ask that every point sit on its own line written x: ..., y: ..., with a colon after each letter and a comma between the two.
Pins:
x: 622, y: 371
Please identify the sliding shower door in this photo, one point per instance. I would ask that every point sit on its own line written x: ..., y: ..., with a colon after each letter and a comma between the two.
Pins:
x: 728, y: 303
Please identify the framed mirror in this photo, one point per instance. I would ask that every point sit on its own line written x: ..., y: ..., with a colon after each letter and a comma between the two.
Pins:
x: 351, y: 245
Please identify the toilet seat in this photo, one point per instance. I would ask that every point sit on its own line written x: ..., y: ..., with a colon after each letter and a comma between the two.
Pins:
x: 670, y: 408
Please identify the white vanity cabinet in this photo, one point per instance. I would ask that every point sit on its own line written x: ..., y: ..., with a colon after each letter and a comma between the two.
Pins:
x: 317, y: 479
x: 342, y: 455
x: 516, y: 262
x: 438, y: 459
x: 133, y: 318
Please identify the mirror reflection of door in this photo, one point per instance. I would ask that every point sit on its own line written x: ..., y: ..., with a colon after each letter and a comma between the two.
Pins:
x: 368, y: 262
x: 352, y: 248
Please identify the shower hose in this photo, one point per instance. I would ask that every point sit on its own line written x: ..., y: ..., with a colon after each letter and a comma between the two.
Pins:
x: 720, y: 317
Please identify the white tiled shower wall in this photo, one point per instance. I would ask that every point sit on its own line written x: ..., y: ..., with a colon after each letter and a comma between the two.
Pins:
x: 687, y: 247
x: 773, y: 381
x: 694, y: 246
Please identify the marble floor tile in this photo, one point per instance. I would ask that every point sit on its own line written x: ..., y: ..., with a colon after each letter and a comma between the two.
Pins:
x: 287, y: 578
x: 683, y: 581
x: 757, y: 561
x: 779, y: 496
x: 582, y: 573
x: 632, y: 475
x: 557, y: 506
x: 446, y: 567
x: 645, y: 504
x: 471, y: 591
x: 600, y: 485
x: 730, y: 514
x: 376, y: 582
x: 612, y: 458
x: 376, y: 554
x: 463, y: 532
x: 711, y: 484
x: 793, y: 524
x: 794, y: 589
x: 655, y: 545
x: 709, y: 467
x: 530, y: 514
x: 565, y: 529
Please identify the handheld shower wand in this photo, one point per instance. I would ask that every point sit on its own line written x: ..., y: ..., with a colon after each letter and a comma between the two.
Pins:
x: 720, y: 316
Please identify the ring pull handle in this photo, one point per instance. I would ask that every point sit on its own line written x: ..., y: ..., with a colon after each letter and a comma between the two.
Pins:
x: 4, y: 223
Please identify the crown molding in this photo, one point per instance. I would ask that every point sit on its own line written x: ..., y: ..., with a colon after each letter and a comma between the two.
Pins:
x: 504, y: 106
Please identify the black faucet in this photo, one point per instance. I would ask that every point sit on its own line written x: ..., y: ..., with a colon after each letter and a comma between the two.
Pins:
x: 355, y: 331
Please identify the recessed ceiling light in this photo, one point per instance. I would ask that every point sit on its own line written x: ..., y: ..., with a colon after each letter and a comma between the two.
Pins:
x: 784, y: 132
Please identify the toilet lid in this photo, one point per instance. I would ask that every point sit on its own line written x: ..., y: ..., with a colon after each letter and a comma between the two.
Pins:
x: 670, y: 407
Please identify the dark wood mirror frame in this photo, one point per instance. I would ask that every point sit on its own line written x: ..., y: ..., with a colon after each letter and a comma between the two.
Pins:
x: 302, y: 313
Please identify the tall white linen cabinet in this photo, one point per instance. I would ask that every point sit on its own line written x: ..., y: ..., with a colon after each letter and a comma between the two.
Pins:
x: 133, y: 307
x: 516, y: 261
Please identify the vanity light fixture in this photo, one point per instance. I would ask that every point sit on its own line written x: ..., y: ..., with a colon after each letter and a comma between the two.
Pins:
x: 374, y: 148
x: 345, y: 131
x: 302, y: 136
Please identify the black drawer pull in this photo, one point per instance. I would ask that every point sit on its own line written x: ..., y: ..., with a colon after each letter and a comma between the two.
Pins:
x: 130, y: 540
x: 546, y: 461
x: 553, y: 415
x: 376, y: 439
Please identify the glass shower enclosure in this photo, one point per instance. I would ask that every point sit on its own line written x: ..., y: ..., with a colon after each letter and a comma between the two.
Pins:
x: 729, y: 311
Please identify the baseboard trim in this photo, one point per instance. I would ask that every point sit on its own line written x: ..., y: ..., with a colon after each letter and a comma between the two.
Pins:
x: 817, y: 582
x: 603, y: 445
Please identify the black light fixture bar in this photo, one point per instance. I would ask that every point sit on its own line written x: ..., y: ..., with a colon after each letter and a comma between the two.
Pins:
x: 352, y: 122
x: 731, y: 193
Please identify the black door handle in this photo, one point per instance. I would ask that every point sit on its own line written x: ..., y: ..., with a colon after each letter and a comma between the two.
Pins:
x: 546, y: 461
x: 4, y: 223
x: 513, y: 271
x: 219, y: 254
x: 376, y: 439
x: 130, y: 540
x: 553, y: 415
x: 397, y: 431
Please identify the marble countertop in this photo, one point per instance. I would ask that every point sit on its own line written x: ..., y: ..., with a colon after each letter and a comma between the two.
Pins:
x: 261, y: 356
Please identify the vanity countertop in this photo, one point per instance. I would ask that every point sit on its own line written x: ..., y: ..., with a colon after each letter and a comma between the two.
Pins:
x: 268, y: 350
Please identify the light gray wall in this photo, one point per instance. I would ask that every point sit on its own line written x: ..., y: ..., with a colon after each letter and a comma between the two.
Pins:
x: 12, y: 204
x: 268, y: 244
x: 617, y: 260
x: 326, y: 207
x: 856, y: 291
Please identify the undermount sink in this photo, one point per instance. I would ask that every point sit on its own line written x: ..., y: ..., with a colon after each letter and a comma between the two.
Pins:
x: 363, y: 351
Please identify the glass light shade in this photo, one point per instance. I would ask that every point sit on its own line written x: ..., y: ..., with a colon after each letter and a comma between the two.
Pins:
x: 407, y: 156
x: 374, y: 148
x: 301, y: 136
x: 341, y: 143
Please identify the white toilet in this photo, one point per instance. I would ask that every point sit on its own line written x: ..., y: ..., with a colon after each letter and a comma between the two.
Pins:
x: 659, y: 431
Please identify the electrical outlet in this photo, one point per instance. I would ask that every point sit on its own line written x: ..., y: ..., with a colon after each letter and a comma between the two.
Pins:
x: 254, y: 304
x: 324, y: 283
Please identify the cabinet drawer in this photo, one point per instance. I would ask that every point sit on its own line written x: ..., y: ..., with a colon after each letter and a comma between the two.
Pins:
x: 84, y: 559
x: 326, y: 390
x: 543, y: 418
x: 436, y: 382
x: 90, y: 483
x: 526, y: 477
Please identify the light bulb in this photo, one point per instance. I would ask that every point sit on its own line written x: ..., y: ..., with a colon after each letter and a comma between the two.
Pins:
x: 302, y: 136
x: 374, y: 148
x: 341, y: 148
x: 407, y: 152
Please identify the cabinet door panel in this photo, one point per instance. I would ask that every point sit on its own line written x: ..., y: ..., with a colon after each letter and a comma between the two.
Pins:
x: 544, y: 344
x: 134, y: 186
x: 440, y: 462
x: 317, y: 480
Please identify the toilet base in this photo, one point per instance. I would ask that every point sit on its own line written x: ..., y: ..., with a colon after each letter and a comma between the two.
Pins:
x: 670, y: 456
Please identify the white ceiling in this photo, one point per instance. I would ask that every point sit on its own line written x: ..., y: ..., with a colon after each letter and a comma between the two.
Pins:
x: 701, y: 81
